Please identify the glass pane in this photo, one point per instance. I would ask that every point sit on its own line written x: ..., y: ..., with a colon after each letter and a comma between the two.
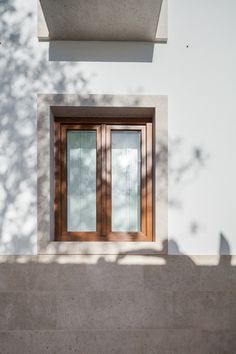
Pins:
x: 126, y: 168
x: 81, y: 181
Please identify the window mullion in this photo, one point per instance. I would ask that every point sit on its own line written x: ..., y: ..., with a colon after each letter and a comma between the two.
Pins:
x: 104, y: 180
x: 108, y: 179
x: 149, y: 158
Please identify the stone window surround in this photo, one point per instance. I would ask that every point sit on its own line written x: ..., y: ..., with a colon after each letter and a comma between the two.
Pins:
x: 73, y: 105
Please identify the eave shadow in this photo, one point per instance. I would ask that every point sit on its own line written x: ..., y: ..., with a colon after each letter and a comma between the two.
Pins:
x: 101, y: 51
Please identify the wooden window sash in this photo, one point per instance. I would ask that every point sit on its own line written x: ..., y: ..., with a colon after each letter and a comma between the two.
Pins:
x: 81, y: 236
x: 127, y: 236
x: 103, y: 184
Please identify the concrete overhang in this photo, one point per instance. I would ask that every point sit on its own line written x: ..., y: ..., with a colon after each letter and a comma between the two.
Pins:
x: 103, y: 20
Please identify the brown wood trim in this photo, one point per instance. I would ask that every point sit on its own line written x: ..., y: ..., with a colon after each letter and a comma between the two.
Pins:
x: 99, y: 183
x: 82, y: 236
x: 142, y: 129
x: 103, y: 194
x: 103, y: 120
x: 64, y: 129
x: 63, y: 166
x: 57, y: 181
x: 104, y: 180
x: 143, y: 183
x: 108, y: 179
x: 149, y: 177
x: 127, y: 236
x: 112, y: 236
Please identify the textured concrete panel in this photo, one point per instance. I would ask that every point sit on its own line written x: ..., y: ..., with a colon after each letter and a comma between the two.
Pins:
x: 162, y: 341
x: 128, y: 20
x: 125, y: 304
x: 114, y: 310
x: 111, y: 277
x: 224, y: 279
x: 13, y: 278
x: 187, y: 276
x: 27, y: 310
x: 80, y: 342
x: 207, y: 310
x: 189, y: 342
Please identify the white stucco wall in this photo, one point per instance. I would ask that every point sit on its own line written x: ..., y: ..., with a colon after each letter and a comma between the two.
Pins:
x: 196, y: 69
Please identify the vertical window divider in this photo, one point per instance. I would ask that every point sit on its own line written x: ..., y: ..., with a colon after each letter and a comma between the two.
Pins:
x: 63, y: 181
x: 143, y: 181
x: 108, y: 180
x: 103, y: 180
x: 99, y: 184
x: 149, y: 174
x: 57, y: 182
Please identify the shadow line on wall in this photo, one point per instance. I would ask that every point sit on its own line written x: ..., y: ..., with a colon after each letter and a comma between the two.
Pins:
x: 101, y: 51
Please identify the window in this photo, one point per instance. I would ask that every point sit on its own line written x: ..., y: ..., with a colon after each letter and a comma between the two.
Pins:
x: 103, y: 179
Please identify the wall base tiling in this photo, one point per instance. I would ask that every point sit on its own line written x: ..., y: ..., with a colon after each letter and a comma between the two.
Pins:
x: 125, y: 304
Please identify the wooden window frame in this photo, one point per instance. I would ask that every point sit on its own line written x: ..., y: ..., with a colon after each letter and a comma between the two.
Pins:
x: 103, y: 128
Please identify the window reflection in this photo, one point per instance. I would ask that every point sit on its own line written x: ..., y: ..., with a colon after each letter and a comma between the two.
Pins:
x: 126, y: 168
x: 81, y: 181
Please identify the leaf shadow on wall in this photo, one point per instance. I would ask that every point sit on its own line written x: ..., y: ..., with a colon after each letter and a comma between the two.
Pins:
x: 25, y: 71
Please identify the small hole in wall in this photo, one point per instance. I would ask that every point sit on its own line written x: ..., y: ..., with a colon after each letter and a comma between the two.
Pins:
x: 187, y: 45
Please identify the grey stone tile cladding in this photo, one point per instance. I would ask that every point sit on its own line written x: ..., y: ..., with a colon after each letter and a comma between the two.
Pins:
x: 88, y: 306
